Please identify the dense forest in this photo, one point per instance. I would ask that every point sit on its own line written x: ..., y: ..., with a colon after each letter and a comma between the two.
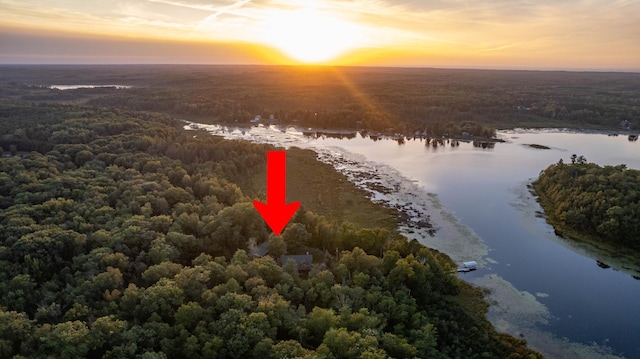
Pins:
x: 440, y: 101
x: 125, y: 236
x: 601, y: 203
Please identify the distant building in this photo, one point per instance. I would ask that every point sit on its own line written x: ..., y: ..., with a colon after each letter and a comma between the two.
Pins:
x: 625, y: 124
x: 303, y: 261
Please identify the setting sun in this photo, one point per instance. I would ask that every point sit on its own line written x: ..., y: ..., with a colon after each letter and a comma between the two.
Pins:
x: 467, y: 34
x: 309, y: 36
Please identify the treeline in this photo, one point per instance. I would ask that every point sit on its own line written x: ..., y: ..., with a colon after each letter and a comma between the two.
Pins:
x: 130, y: 238
x: 601, y: 202
x: 407, y: 100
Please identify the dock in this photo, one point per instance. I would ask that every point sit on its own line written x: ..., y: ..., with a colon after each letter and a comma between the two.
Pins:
x: 468, y: 267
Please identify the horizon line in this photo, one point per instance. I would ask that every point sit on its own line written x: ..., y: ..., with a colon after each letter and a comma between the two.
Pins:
x: 425, y: 67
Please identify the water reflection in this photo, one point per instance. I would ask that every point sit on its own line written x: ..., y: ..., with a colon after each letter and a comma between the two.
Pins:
x: 524, y: 250
x: 400, y: 139
x: 484, y: 144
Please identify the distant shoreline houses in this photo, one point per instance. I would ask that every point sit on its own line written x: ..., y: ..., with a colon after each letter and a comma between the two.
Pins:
x: 258, y: 118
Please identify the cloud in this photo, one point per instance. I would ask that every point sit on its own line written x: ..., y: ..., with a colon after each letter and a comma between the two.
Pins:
x: 222, y: 11
x: 26, y: 47
x: 581, y: 29
x: 195, y: 6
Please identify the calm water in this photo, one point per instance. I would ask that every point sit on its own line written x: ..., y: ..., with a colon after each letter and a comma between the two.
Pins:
x: 588, y: 304
x: 75, y: 87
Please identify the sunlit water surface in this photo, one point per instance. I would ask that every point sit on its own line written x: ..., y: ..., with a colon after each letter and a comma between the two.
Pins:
x: 76, y: 87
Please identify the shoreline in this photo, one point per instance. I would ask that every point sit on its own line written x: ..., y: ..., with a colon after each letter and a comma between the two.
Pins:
x: 605, y: 254
x: 511, y: 311
x: 543, y: 341
x: 388, y: 187
x: 521, y: 130
x: 374, y: 135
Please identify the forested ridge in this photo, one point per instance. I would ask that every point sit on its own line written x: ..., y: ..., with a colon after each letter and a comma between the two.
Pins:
x: 124, y: 236
x: 602, y: 203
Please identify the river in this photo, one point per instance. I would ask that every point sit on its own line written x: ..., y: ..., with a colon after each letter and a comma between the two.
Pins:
x: 567, y: 300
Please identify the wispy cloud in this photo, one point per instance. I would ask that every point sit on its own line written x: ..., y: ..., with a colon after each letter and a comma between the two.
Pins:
x: 222, y: 11
x: 204, y: 7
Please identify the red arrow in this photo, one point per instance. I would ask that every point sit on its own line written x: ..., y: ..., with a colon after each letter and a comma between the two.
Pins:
x: 276, y: 212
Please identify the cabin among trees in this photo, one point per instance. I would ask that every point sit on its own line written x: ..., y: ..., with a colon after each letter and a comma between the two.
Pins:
x: 303, y: 262
x: 123, y: 236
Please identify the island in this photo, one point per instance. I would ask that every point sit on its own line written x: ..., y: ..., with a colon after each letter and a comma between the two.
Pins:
x: 588, y: 202
x: 537, y: 146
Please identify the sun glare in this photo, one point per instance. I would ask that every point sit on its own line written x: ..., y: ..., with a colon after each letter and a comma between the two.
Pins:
x: 309, y: 36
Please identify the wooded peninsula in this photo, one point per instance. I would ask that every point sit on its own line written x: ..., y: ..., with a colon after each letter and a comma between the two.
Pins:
x: 125, y: 236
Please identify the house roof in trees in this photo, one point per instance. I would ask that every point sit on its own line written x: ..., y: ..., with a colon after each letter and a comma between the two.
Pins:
x: 303, y: 261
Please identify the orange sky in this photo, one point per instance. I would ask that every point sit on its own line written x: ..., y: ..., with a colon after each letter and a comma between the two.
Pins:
x: 546, y: 34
